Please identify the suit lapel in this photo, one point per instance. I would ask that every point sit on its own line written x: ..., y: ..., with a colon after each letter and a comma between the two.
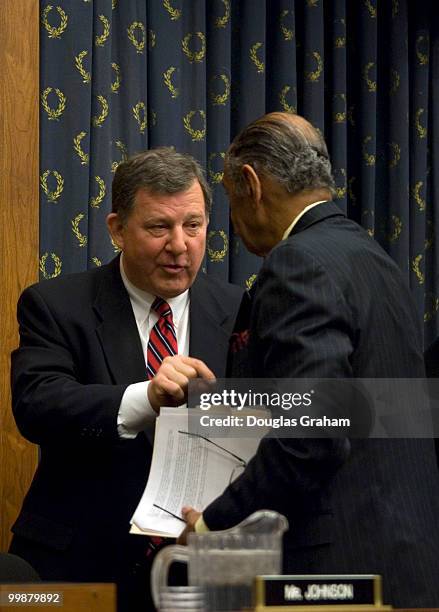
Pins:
x: 117, y: 330
x: 209, y: 340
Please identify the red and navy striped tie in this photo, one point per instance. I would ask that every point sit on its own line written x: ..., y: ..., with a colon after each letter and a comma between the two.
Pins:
x: 162, y: 339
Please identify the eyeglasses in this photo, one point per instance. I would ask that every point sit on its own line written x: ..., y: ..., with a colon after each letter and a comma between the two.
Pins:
x: 236, y: 471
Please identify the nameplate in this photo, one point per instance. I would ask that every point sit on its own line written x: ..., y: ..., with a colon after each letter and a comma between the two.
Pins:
x: 317, y: 590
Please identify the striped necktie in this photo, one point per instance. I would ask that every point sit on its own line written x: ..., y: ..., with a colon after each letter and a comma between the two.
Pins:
x: 162, y: 339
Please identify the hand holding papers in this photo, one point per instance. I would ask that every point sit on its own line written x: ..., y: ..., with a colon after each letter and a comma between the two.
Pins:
x: 187, y: 468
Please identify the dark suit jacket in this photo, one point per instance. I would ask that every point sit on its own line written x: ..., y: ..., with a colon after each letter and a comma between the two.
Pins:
x: 330, y: 303
x: 79, y: 350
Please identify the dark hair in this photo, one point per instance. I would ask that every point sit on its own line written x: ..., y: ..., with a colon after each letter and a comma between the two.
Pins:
x: 161, y: 170
x: 294, y: 154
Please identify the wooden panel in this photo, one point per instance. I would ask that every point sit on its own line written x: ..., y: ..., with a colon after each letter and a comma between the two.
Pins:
x: 90, y: 597
x: 19, y: 103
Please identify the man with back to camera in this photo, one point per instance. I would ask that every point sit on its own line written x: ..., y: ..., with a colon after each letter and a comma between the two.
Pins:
x: 79, y: 376
x: 327, y: 303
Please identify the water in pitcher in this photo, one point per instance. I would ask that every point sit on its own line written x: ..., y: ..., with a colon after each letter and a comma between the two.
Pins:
x: 228, y: 581
x: 223, y: 564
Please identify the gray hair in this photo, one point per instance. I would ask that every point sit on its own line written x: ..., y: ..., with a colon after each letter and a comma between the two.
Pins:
x: 294, y: 155
x: 161, y: 171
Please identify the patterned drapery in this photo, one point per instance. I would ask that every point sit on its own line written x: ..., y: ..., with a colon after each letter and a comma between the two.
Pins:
x: 118, y: 76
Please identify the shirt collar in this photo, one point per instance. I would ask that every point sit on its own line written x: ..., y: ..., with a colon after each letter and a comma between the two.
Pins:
x: 143, y: 300
x: 299, y: 216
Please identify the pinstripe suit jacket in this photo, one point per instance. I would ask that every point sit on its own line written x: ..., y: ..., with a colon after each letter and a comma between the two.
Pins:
x: 329, y: 302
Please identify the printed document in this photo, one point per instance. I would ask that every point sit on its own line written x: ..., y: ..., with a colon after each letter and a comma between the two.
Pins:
x: 188, y: 469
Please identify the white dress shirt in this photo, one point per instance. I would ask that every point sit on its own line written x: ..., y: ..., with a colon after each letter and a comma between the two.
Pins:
x: 135, y: 412
x: 287, y: 232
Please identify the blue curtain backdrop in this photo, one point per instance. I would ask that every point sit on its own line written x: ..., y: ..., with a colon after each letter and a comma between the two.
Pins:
x: 119, y: 76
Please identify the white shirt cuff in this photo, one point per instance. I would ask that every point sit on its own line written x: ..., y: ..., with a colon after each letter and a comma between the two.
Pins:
x: 135, y: 411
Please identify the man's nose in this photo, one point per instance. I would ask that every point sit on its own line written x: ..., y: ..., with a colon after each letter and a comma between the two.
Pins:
x: 177, y: 241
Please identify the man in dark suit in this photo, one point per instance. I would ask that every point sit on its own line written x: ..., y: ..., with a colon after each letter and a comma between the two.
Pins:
x: 79, y: 376
x: 327, y: 303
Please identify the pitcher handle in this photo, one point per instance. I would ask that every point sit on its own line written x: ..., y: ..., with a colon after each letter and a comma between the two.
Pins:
x: 160, y: 568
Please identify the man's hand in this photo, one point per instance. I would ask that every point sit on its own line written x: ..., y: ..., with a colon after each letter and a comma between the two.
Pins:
x: 169, y: 386
x: 191, y: 516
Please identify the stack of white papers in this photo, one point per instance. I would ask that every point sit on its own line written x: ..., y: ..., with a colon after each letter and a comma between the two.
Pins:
x: 188, y: 470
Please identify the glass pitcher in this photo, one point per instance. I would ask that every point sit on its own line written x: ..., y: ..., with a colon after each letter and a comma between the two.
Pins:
x: 225, y: 562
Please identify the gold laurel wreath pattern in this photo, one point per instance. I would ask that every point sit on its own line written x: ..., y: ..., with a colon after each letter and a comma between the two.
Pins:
x: 194, y: 56
x: 371, y: 85
x: 416, y: 267
x: 98, y: 120
x: 86, y: 76
x: 82, y: 240
x: 396, y: 79
x: 54, y: 32
x: 312, y: 3
x: 174, y: 91
x: 254, y: 57
x: 314, y: 75
x: 396, y: 154
x: 287, y: 33
x: 364, y: 214
x: 124, y: 151
x: 283, y: 100
x: 340, y: 191
x: 152, y: 39
x: 371, y: 8
x: 422, y: 131
x: 395, y: 8
x: 196, y: 135
x: 422, y: 57
x: 97, y: 262
x: 102, y: 39
x: 340, y: 42
x: 221, y: 99
x: 115, y: 86
x: 53, y: 114
x: 397, y: 229
x: 340, y: 116
x: 249, y: 282
x: 52, y: 196
x: 95, y: 202
x: 116, y: 248
x: 174, y: 13
x: 142, y: 122
x: 113, y: 4
x: 215, y: 177
x: 217, y: 255
x: 84, y: 157
x: 139, y: 45
x: 434, y: 307
x: 221, y: 22
x: 369, y: 158
x: 416, y: 193
x: 57, y: 265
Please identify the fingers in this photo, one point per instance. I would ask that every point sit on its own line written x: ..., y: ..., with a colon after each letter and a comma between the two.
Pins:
x: 191, y: 516
x: 170, y: 384
x: 200, y: 368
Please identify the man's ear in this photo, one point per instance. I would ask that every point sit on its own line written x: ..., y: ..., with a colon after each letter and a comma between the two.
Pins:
x: 252, y: 182
x: 115, y: 227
